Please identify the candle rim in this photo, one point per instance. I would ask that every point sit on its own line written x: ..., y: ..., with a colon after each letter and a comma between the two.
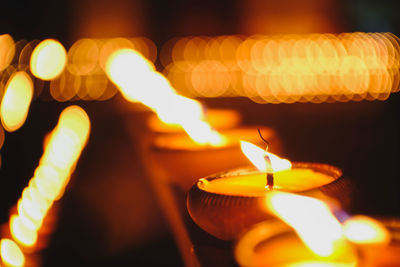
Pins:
x: 154, y: 123
x: 162, y: 141
x: 323, y: 168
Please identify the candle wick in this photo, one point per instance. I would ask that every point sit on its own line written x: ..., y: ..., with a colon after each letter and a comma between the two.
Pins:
x: 262, y: 138
x: 270, y: 173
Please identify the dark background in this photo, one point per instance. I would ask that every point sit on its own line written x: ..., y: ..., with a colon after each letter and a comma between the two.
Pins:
x: 109, y: 216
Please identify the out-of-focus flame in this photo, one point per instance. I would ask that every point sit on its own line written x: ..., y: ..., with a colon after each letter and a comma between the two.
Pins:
x: 285, y: 68
x: 48, y: 59
x: 257, y: 156
x: 11, y: 254
x: 62, y: 149
x: 311, y: 219
x: 16, y: 101
x: 138, y: 81
x: 21, y: 233
x: 365, y: 230
x: 7, y: 50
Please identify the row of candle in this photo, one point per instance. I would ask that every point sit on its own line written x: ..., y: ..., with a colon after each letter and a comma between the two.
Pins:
x: 228, y: 204
x: 224, y: 204
x: 62, y: 149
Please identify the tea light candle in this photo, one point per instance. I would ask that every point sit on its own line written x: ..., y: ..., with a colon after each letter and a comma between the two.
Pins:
x: 274, y: 243
x: 226, y: 203
x: 360, y: 240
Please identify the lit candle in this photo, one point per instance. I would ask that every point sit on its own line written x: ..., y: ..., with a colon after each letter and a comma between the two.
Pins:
x: 182, y: 159
x: 312, y: 236
x: 226, y: 203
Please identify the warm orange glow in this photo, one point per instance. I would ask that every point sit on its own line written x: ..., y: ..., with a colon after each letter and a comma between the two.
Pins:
x: 311, y: 219
x: 7, y: 50
x: 22, y: 234
x: 62, y: 149
x: 48, y: 59
x: 16, y: 101
x: 365, y: 230
x: 27, y: 219
x: 285, y: 68
x: 257, y: 155
x: 129, y: 70
x: 11, y: 254
x: 138, y: 81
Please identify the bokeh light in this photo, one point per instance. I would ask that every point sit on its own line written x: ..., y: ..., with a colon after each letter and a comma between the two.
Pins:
x: 285, y: 68
x: 11, y: 254
x: 7, y: 50
x: 48, y: 59
x: 62, y: 150
x: 16, y: 101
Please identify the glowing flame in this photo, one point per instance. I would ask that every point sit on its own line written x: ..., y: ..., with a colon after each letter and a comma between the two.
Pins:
x: 62, y: 149
x: 364, y: 230
x: 21, y: 232
x: 257, y: 156
x: 7, y: 50
x: 311, y: 219
x: 16, y: 101
x: 138, y: 81
x: 11, y: 254
x: 285, y: 68
x: 48, y: 59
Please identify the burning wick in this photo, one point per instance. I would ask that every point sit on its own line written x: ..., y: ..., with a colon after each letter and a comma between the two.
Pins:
x: 269, y: 170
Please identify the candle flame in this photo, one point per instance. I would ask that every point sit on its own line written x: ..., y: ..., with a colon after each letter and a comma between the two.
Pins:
x: 16, y: 101
x: 138, y: 81
x: 7, y: 50
x: 365, y: 230
x: 11, y: 254
x: 257, y: 156
x: 311, y: 219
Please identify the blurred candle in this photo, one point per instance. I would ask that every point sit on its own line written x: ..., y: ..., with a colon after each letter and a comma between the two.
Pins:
x: 311, y: 235
x: 217, y: 118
